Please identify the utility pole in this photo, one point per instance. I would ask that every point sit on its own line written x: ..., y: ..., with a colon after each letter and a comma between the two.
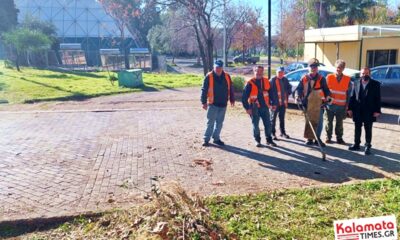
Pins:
x: 224, y: 41
x: 269, y: 39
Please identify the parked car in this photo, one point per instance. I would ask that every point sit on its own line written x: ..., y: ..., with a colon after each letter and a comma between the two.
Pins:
x: 389, y: 77
x: 247, y: 59
x: 298, y: 65
x: 295, y: 76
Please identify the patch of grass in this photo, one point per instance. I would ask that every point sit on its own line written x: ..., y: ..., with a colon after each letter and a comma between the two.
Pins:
x: 286, y: 214
x: 304, y: 214
x: 33, y: 85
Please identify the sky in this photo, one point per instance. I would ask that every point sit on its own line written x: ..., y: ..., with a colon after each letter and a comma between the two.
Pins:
x: 263, y: 4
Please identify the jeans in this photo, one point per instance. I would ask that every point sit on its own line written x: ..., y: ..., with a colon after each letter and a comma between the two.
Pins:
x: 215, y: 119
x: 262, y: 113
x: 280, y: 111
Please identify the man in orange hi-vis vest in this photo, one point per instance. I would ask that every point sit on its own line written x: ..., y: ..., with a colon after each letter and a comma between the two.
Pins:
x: 280, y: 91
x: 313, y: 93
x: 217, y: 90
x: 340, y: 87
x: 256, y: 101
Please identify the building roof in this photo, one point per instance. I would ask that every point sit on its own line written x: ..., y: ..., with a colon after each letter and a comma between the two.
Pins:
x: 350, y: 33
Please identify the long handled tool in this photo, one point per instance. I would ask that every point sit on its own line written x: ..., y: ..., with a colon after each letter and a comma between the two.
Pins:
x: 313, y: 130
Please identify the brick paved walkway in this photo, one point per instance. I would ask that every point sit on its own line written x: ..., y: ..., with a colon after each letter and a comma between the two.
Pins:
x: 72, y: 157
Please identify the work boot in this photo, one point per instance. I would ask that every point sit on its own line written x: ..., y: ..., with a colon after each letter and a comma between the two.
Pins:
x: 340, y: 141
x: 219, y: 142
x: 271, y: 143
x: 367, y: 150
x: 309, y: 142
x: 328, y: 140
x: 354, y: 147
x: 275, y: 137
x: 320, y: 143
x: 205, y: 144
x: 285, y: 135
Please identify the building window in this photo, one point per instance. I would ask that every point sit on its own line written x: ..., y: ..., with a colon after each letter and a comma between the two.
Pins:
x: 381, y: 57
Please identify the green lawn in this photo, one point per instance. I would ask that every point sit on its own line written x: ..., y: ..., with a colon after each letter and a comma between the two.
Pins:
x: 32, y: 85
x: 287, y: 214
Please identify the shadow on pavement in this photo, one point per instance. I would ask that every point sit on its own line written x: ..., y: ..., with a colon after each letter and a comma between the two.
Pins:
x: 307, y: 166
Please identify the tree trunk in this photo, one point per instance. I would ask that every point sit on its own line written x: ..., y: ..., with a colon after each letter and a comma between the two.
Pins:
x: 27, y: 58
x: 17, y: 62
x: 201, y: 49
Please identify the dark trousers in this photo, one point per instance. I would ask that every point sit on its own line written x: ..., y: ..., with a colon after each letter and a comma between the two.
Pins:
x: 368, y: 133
x: 280, y: 111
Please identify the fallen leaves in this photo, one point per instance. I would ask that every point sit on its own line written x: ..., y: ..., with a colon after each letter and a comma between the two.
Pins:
x: 204, y: 163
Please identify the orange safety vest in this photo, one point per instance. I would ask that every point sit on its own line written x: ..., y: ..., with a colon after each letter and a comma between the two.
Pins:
x: 210, y: 94
x: 253, y: 98
x: 278, y: 87
x: 338, y: 89
x: 317, y: 86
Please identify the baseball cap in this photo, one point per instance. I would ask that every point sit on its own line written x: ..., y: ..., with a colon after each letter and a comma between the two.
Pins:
x: 313, y: 62
x: 218, y: 63
x: 280, y: 69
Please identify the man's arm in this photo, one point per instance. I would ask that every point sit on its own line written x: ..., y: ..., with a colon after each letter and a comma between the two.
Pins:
x: 245, y: 96
x: 273, y: 94
x: 324, y: 87
x: 204, y: 91
x: 231, y: 92
x: 288, y: 86
x: 377, y: 105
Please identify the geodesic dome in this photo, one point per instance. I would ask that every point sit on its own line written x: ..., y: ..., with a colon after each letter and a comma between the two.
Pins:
x: 77, y: 21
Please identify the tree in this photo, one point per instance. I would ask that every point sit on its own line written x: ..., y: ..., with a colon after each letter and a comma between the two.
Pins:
x: 250, y: 32
x: 200, y: 16
x: 146, y: 16
x: 166, y: 38
x: 45, y: 27
x: 8, y: 15
x: 353, y: 11
x: 292, y: 27
x: 24, y: 40
x: 396, y: 19
x: 120, y: 11
x: 138, y: 16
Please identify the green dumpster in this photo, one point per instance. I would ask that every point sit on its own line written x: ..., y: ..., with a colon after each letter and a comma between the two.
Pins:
x: 130, y: 78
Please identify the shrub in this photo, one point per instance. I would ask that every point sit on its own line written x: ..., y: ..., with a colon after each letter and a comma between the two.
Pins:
x: 238, y: 83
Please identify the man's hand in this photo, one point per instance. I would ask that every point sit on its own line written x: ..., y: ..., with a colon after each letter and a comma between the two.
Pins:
x: 249, y: 111
x: 376, y: 114
x: 205, y: 106
x: 329, y: 99
x: 350, y: 113
x: 233, y: 104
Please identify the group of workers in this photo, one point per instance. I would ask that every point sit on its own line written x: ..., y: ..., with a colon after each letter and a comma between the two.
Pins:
x: 332, y: 98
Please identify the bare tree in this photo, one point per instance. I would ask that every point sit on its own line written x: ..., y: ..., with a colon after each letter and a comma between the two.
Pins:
x: 199, y: 14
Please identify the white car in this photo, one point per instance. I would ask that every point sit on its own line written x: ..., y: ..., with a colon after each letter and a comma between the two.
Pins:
x: 295, y: 76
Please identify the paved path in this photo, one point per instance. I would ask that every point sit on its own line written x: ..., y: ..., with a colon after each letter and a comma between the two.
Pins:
x: 72, y: 157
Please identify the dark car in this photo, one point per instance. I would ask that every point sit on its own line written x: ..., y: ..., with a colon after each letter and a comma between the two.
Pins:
x: 247, y: 59
x: 297, y: 65
x: 389, y: 77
